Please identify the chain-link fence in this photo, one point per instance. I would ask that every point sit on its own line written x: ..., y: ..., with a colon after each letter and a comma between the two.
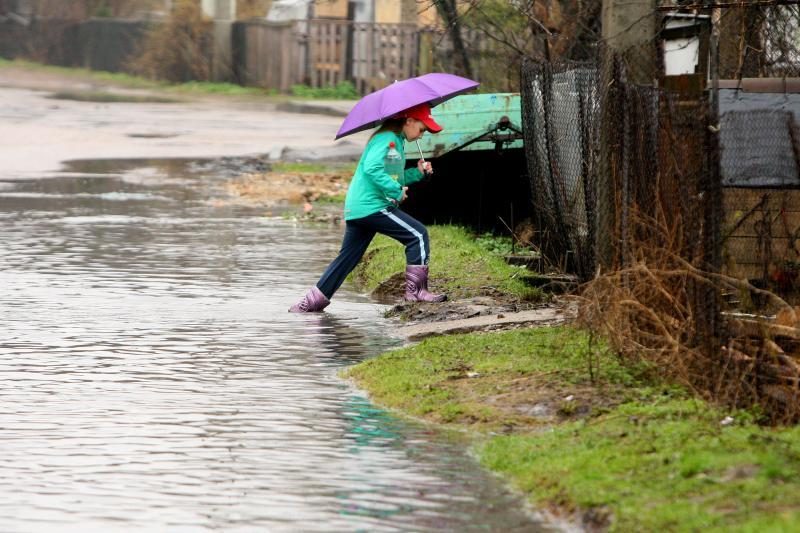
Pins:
x: 674, y: 194
x: 560, y: 111
x: 759, y: 101
x: 759, y: 40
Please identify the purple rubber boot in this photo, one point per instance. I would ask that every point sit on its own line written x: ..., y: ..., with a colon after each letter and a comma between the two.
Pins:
x: 313, y: 302
x: 417, y: 285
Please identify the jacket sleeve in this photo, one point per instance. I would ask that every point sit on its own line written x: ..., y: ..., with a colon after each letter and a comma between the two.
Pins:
x: 376, y: 173
x: 412, y: 175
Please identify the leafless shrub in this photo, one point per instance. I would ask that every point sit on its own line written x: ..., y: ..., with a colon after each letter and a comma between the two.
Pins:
x: 246, y: 9
x: 53, y: 22
x: 648, y: 311
x: 178, y: 49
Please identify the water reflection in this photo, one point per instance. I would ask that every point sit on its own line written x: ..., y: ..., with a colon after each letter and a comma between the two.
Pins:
x: 152, y: 378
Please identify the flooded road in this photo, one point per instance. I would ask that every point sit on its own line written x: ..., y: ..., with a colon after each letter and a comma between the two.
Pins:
x: 153, y: 380
x: 38, y: 132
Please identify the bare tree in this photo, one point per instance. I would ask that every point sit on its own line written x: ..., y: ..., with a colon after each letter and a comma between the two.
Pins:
x: 516, y: 29
x: 448, y: 10
x: 552, y: 29
x: 741, y: 45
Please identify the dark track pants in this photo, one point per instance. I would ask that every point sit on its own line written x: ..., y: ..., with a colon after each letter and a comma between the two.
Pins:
x: 359, y: 233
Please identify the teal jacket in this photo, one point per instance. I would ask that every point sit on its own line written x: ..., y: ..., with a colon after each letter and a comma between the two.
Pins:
x: 371, y: 188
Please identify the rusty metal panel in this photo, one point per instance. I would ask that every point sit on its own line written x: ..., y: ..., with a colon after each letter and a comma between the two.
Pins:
x: 466, y: 117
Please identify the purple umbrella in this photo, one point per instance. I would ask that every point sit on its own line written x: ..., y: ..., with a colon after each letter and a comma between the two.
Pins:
x: 376, y: 107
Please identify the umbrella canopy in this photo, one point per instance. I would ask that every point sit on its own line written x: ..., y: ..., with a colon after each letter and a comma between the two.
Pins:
x: 376, y: 107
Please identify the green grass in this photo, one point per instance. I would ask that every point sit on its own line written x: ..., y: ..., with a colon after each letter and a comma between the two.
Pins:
x: 415, y: 379
x: 124, y: 80
x: 137, y: 82
x: 461, y: 266
x: 335, y: 199
x: 344, y: 90
x: 665, y: 465
x: 653, y: 459
x: 300, y: 167
x: 502, y: 244
x: 231, y: 89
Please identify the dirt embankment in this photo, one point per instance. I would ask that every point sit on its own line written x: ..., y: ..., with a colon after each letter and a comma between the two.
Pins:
x: 311, y: 192
x: 281, y: 188
x: 488, y: 312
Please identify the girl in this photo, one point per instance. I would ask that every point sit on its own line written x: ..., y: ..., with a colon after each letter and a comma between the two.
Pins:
x: 371, y: 206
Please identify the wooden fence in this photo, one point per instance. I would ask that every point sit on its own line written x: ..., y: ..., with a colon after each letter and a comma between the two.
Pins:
x: 268, y: 54
x: 322, y: 53
x: 383, y: 53
x: 273, y: 55
x: 328, y: 52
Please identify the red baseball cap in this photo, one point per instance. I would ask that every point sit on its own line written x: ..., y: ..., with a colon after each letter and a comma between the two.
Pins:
x: 422, y: 112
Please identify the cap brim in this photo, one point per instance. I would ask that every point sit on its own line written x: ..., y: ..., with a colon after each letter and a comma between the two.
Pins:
x: 432, y: 126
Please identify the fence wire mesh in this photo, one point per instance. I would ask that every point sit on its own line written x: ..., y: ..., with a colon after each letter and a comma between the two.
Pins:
x: 759, y: 41
x: 560, y: 110
x: 759, y: 99
x: 676, y: 197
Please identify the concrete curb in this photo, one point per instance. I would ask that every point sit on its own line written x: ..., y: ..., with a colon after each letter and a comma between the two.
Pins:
x: 541, y: 317
x: 331, y: 109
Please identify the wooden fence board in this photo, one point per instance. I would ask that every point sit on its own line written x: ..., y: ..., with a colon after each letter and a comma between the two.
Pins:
x: 760, y: 225
x: 269, y: 56
x: 383, y: 53
x: 746, y: 212
x: 326, y: 52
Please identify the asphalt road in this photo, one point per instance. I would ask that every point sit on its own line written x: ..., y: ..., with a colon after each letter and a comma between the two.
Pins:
x: 38, y: 132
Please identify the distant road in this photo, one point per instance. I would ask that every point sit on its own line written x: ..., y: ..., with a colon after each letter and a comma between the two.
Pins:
x: 37, y: 133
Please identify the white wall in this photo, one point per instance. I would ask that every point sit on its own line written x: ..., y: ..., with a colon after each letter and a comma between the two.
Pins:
x: 219, y: 9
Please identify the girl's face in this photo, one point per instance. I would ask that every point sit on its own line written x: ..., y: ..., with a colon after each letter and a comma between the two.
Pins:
x: 413, y: 129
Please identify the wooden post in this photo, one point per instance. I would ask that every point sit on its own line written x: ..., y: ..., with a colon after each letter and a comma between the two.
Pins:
x: 425, y: 61
x: 629, y: 28
x: 351, y: 17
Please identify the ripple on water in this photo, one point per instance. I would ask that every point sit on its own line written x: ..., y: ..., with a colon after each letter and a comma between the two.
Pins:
x: 152, y: 379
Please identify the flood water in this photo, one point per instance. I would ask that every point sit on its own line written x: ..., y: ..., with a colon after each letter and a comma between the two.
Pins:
x: 153, y: 380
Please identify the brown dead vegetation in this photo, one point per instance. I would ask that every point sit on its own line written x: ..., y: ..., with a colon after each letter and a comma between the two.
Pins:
x: 664, y: 310
x: 528, y: 403
x: 179, y: 49
x: 275, y: 188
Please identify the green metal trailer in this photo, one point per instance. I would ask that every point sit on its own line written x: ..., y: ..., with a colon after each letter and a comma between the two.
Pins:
x: 473, y: 122
x: 480, y: 172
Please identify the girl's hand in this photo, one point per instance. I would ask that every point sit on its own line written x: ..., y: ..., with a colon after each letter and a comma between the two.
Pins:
x: 405, y: 189
x: 425, y: 167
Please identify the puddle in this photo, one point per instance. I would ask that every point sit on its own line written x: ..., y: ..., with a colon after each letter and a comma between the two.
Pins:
x: 152, y: 378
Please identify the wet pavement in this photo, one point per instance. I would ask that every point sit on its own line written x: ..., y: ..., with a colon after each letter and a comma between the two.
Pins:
x: 37, y: 132
x: 153, y: 380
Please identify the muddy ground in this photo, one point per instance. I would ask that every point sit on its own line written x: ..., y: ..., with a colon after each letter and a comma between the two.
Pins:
x: 306, y: 196
x: 278, y: 188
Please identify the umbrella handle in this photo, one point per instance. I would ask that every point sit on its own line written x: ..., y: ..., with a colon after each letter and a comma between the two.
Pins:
x: 422, y: 158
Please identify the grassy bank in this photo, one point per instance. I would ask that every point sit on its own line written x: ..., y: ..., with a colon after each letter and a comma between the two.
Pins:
x: 581, y: 434
x: 128, y: 81
x: 461, y: 265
